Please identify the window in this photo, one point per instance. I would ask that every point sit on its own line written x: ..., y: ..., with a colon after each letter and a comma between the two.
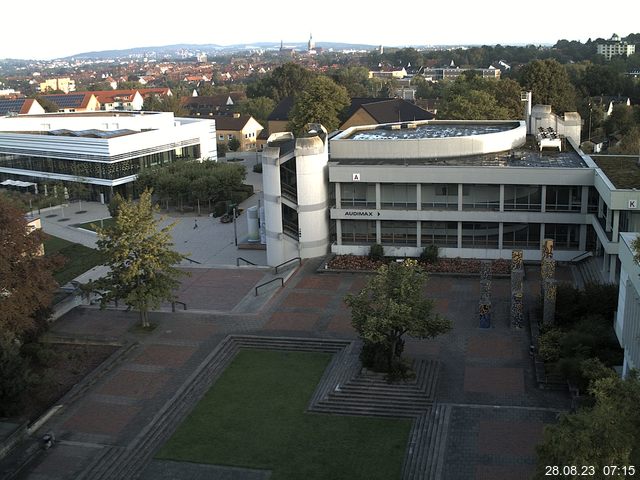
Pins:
x: 521, y: 235
x: 480, y: 235
x: 400, y: 196
x: 358, y: 195
x: 522, y: 198
x: 565, y: 237
x: 442, y: 234
x: 290, y: 222
x: 439, y: 196
x: 220, y: 137
x: 358, y: 232
x: 230, y: 136
x: 563, y: 199
x: 481, y: 197
x: 398, y: 233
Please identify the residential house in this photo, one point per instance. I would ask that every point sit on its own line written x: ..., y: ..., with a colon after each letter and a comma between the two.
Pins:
x: 65, y: 85
x: 74, y: 102
x: 278, y: 119
x: 614, y: 47
x: 210, y: 105
x: 119, y: 99
x: 244, y: 128
x: 20, y: 106
x: 371, y: 111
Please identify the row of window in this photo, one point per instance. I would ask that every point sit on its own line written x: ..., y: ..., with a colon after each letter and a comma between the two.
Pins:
x: 105, y: 170
x: 445, y: 234
x: 474, y: 197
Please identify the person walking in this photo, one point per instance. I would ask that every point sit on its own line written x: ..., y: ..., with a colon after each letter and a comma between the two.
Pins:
x: 195, y: 225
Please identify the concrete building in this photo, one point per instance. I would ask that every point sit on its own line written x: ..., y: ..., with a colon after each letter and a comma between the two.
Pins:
x: 296, y: 195
x: 614, y: 46
x: 103, y: 150
x: 65, y: 85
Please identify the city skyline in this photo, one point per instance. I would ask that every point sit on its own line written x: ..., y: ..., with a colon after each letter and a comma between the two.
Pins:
x: 125, y: 25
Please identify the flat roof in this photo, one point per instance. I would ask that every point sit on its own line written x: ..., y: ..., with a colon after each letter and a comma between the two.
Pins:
x: 409, y: 131
x: 622, y: 170
x: 528, y: 155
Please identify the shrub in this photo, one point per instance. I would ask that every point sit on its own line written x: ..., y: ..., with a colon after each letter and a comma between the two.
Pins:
x: 219, y: 208
x: 376, y: 252
x: 430, y: 254
x: 549, y: 345
x: 15, y: 377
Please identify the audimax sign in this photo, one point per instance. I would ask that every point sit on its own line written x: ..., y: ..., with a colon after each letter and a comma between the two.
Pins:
x: 361, y: 213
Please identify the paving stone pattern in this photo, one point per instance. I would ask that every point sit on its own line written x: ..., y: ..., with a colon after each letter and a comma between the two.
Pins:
x: 481, y: 420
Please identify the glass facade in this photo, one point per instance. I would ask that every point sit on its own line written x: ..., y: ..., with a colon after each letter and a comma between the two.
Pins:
x: 521, y: 235
x: 565, y: 237
x: 442, y: 234
x: 104, y: 170
x: 400, y: 196
x: 289, y: 180
x: 522, y: 198
x: 563, y: 199
x: 358, y: 195
x: 481, y: 197
x: 480, y: 235
x: 356, y: 232
x: 396, y: 232
x: 442, y: 196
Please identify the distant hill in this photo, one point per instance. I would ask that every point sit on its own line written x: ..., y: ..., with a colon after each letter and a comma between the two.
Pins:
x: 173, y: 50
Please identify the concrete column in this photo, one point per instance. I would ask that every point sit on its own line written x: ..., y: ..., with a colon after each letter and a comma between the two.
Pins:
x: 338, y: 195
x: 459, y: 234
x: 460, y: 190
x: 501, y: 200
x: 500, y: 233
x: 616, y: 225
x: 378, y: 198
x: 613, y: 267
x: 339, y: 232
x: 583, y: 238
x: 418, y: 196
x: 543, y: 200
x: 378, y: 230
x: 584, y: 206
x: 541, y: 234
x: 418, y: 234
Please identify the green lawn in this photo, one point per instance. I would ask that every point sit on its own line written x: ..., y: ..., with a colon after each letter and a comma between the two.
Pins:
x: 254, y: 416
x: 79, y: 258
x: 93, y: 225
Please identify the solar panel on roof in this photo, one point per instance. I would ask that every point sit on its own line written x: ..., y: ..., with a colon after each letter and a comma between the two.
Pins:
x: 70, y: 100
x: 13, y: 105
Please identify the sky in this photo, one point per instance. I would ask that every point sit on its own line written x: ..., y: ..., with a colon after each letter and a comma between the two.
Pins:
x: 48, y: 31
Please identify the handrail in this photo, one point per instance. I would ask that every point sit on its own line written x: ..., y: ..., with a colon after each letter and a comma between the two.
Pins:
x: 244, y: 260
x: 173, y: 305
x: 193, y: 261
x: 577, y: 258
x: 270, y: 281
x: 288, y: 261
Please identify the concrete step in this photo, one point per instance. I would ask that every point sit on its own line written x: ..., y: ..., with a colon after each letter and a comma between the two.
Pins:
x: 366, y: 411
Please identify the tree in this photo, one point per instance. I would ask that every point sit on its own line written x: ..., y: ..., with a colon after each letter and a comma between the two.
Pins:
x: 391, y: 305
x: 142, y: 265
x: 259, y: 108
x: 168, y: 103
x: 114, y: 204
x: 287, y: 80
x: 549, y: 82
x: 355, y: 80
x: 321, y: 102
x: 234, y: 144
x: 606, y: 434
x: 48, y: 105
x: 26, y: 280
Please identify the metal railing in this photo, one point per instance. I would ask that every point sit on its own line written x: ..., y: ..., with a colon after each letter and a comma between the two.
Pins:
x: 270, y: 281
x: 173, y: 305
x: 193, y: 261
x: 581, y: 257
x: 288, y: 261
x: 244, y: 260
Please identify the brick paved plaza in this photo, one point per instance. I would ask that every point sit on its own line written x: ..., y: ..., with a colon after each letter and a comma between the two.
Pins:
x: 497, y: 411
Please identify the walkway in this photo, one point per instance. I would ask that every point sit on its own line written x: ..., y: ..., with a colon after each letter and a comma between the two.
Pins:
x: 491, y: 413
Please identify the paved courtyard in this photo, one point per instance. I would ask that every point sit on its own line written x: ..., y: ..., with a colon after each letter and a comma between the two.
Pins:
x: 486, y: 377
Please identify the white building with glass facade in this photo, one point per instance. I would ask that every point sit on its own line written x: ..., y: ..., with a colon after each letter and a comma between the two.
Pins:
x: 104, y: 150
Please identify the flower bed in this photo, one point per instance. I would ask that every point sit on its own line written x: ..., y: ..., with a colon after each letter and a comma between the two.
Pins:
x: 443, y: 265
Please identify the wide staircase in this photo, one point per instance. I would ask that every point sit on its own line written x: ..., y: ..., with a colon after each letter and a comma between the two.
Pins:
x: 590, y: 272
x: 343, y: 390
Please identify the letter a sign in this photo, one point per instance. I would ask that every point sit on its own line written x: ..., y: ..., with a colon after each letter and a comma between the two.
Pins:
x: 356, y: 177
